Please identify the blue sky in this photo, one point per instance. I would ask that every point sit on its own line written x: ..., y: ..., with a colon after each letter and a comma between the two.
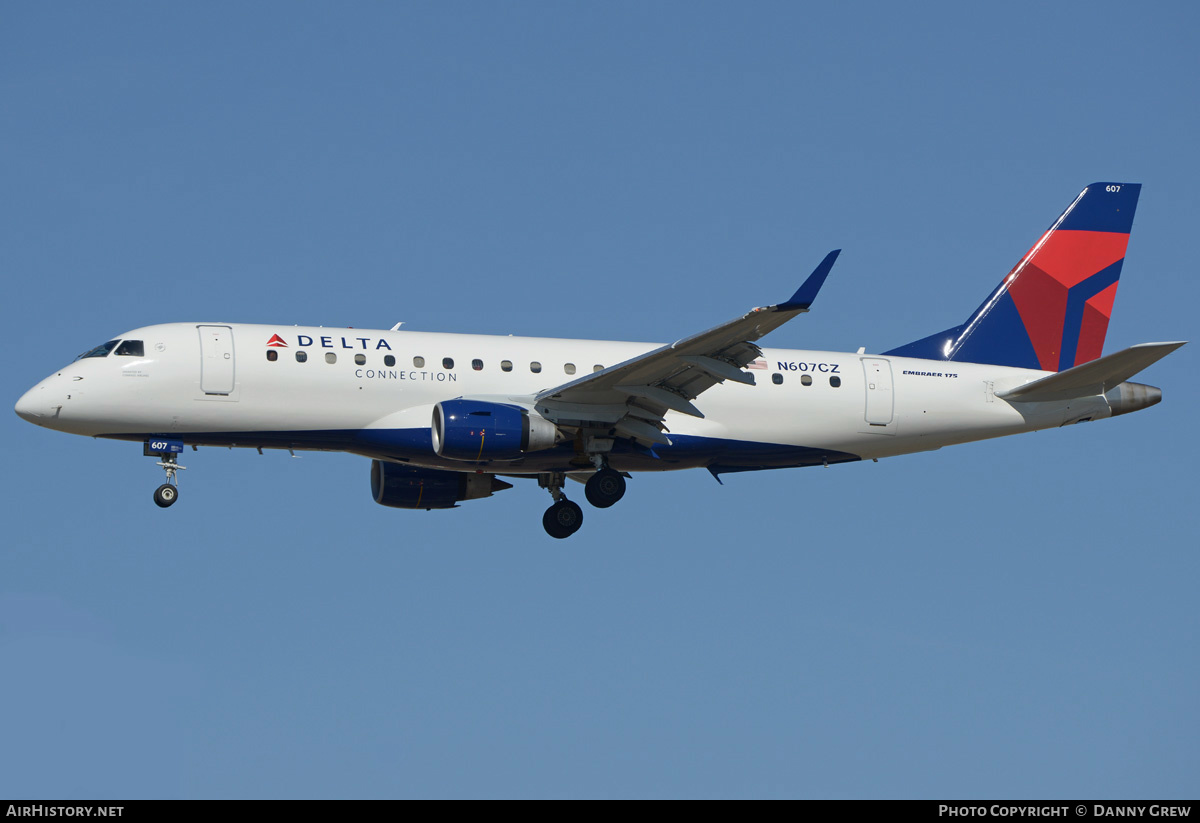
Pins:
x: 1013, y: 618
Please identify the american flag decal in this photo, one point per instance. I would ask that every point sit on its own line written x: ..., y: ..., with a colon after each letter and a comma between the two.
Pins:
x: 757, y: 364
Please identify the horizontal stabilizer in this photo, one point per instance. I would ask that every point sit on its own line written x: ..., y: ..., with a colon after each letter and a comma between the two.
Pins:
x: 1096, y: 377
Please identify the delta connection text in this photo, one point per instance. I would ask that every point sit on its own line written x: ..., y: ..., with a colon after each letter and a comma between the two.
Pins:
x: 1080, y: 810
x: 305, y: 341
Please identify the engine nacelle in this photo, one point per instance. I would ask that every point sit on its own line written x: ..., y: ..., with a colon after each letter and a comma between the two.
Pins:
x: 411, y: 487
x: 476, y: 430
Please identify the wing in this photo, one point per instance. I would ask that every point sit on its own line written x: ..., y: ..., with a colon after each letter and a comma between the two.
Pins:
x: 633, y: 397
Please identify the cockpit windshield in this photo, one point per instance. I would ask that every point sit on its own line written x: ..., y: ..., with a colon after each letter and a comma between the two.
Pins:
x: 131, y: 348
x: 99, y: 351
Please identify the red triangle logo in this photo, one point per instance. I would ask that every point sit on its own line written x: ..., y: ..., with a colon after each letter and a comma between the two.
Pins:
x: 276, y: 341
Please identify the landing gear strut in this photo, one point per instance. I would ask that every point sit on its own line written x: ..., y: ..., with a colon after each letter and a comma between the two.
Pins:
x: 604, y: 488
x: 168, y: 492
x: 563, y: 518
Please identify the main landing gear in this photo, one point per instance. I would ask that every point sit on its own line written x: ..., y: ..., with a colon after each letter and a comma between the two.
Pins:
x: 563, y: 518
x: 166, y: 494
x: 604, y: 488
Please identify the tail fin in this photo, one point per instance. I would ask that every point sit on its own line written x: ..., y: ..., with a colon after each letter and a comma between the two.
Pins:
x: 1051, y: 312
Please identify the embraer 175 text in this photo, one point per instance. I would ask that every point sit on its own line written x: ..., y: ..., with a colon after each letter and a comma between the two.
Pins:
x: 444, y: 416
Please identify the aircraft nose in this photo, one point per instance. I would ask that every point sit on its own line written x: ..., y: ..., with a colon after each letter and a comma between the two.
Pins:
x: 24, y: 407
x: 47, y: 404
x: 33, y: 405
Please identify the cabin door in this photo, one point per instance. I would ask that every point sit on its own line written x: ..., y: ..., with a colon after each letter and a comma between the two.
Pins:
x: 216, y: 359
x: 880, y: 408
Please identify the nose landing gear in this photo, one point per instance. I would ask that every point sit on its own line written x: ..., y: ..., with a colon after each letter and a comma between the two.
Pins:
x: 166, y: 494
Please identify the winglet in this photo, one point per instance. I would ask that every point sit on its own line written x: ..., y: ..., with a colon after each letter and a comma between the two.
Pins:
x: 807, y: 293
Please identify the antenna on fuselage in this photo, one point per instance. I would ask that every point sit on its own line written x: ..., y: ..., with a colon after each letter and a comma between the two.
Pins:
x: 397, y: 326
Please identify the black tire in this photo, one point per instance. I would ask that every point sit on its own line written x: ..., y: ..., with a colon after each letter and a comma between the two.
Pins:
x: 165, y: 495
x: 604, y: 488
x: 562, y: 519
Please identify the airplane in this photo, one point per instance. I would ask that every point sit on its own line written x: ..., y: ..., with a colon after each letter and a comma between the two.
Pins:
x: 444, y: 417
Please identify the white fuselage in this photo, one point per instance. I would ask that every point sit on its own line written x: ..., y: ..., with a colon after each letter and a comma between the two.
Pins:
x: 372, y: 392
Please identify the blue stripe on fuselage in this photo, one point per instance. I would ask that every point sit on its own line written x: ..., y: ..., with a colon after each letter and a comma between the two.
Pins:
x: 414, y: 446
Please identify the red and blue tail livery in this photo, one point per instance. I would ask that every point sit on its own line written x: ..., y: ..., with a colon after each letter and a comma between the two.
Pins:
x: 1051, y: 311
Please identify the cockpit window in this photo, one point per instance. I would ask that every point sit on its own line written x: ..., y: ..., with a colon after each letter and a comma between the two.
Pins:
x: 131, y: 348
x: 99, y: 351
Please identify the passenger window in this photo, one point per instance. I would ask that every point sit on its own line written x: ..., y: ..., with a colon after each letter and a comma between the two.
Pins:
x: 418, y: 362
x: 301, y: 356
x: 777, y: 379
x: 388, y: 360
x: 569, y: 368
x: 477, y: 364
x: 272, y: 355
x: 535, y: 367
x: 597, y: 367
x: 360, y: 360
x: 131, y: 348
x: 330, y: 357
x: 99, y: 351
x: 447, y: 362
x: 505, y: 365
x: 806, y: 380
x: 835, y: 381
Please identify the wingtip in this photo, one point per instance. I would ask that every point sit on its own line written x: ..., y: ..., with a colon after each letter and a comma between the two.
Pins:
x: 807, y: 293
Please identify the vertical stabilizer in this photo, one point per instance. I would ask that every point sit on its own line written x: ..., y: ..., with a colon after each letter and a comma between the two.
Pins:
x: 1051, y: 312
